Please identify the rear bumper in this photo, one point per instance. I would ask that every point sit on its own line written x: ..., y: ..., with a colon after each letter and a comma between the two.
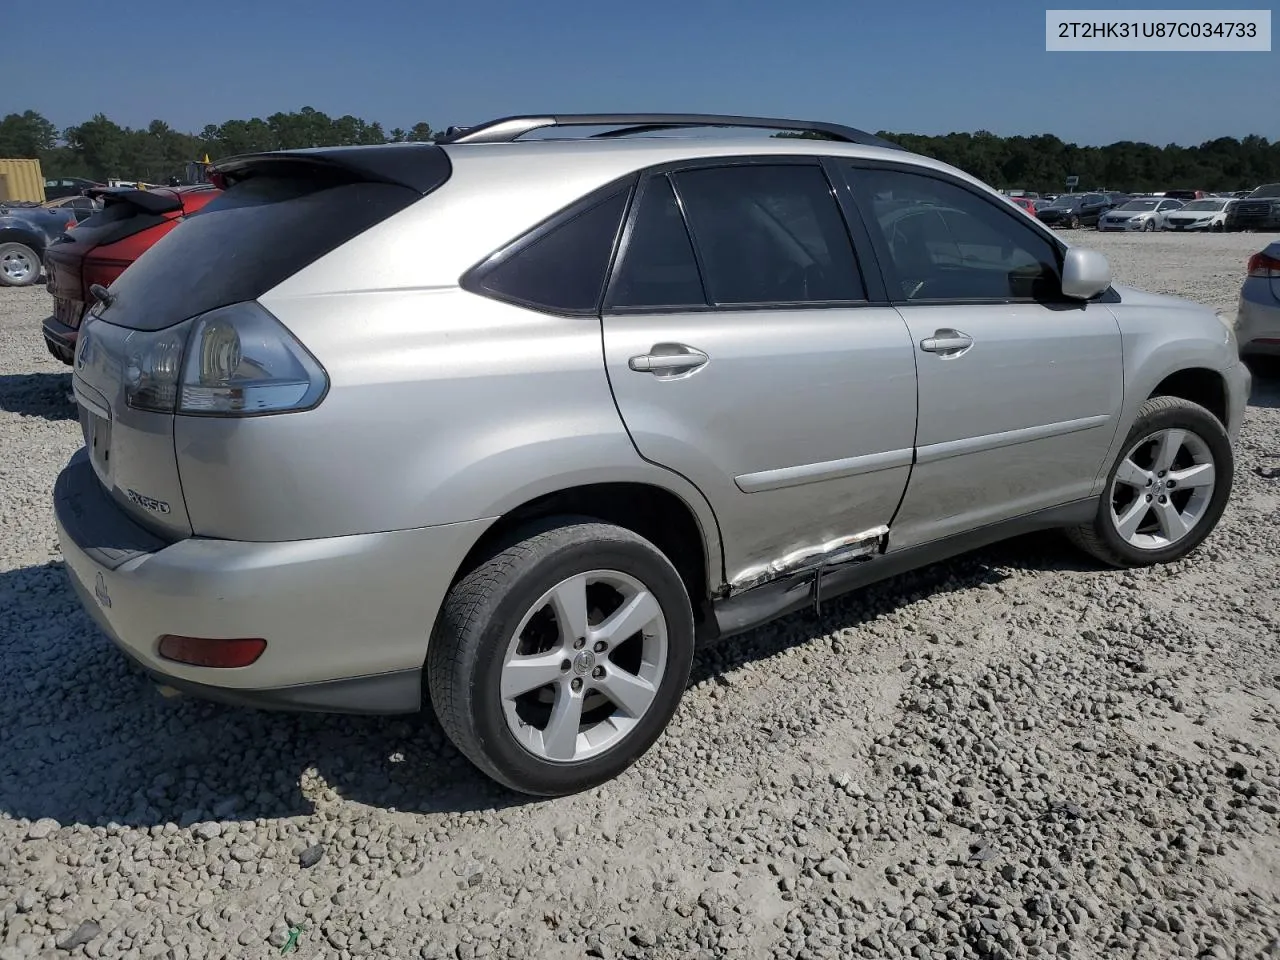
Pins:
x: 346, y: 619
x: 1258, y: 319
x: 59, y: 339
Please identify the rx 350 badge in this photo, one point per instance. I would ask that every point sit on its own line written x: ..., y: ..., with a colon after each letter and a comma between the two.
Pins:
x: 147, y: 503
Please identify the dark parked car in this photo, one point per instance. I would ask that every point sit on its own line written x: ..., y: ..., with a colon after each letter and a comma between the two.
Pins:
x: 26, y: 230
x: 100, y: 249
x: 1258, y: 211
x: 57, y: 188
x: 1075, y: 210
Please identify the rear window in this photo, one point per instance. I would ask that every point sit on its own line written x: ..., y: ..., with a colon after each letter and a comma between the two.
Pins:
x: 1270, y: 190
x: 113, y: 223
x: 248, y: 239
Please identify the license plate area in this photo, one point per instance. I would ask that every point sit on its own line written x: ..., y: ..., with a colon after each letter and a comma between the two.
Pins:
x: 97, y: 440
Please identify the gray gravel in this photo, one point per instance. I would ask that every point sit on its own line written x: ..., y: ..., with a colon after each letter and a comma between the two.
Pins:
x: 1014, y: 754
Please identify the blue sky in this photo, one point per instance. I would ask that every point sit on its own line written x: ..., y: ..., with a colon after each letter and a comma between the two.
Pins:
x: 926, y: 67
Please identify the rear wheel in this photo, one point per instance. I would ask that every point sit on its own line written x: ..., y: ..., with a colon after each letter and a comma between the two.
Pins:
x: 19, y: 265
x: 1166, y: 491
x: 557, y: 663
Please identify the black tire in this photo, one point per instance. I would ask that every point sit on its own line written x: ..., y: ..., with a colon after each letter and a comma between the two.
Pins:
x: 477, y: 621
x: 1101, y: 540
x: 19, y: 253
x: 1149, y: 226
x: 1074, y: 223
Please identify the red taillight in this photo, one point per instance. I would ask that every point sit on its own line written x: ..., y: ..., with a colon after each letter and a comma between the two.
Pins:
x: 205, y: 652
x: 1264, y: 266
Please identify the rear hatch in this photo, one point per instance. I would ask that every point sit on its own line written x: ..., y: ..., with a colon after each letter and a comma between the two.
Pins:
x: 98, y: 251
x: 278, y: 213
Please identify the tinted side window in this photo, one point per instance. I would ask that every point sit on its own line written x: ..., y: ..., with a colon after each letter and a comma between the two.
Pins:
x: 770, y: 234
x: 949, y: 244
x: 658, y: 268
x: 564, y: 269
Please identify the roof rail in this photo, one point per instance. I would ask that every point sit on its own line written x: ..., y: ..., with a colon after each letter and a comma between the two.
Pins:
x: 508, y: 129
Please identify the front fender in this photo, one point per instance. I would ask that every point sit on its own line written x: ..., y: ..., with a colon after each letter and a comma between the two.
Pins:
x: 1161, y: 336
x: 18, y: 232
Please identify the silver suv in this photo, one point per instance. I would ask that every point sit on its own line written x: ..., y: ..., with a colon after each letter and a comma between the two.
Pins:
x: 512, y: 425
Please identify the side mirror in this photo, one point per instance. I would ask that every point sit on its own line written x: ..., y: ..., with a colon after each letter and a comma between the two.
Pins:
x: 1085, y: 273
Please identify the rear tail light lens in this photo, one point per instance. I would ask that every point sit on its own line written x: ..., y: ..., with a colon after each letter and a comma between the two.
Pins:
x: 206, y: 652
x: 231, y: 362
x: 1264, y: 266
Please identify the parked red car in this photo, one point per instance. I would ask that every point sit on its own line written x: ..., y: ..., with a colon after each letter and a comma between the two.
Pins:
x: 100, y: 248
x: 1026, y: 204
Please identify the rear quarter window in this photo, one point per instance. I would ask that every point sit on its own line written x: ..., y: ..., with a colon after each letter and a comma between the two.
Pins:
x: 560, y: 268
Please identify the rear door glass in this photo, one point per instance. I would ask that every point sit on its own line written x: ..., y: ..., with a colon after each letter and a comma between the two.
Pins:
x: 770, y: 234
x: 658, y: 267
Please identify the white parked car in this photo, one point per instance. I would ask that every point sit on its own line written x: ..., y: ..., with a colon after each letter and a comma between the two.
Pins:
x: 1145, y: 213
x: 1207, y: 214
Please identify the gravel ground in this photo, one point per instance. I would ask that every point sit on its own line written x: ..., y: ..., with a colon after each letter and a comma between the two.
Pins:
x: 1014, y: 754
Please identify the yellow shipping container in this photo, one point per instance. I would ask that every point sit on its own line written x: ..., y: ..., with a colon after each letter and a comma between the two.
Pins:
x: 21, y: 180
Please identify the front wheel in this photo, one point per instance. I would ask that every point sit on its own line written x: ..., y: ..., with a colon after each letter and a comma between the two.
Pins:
x: 1074, y: 223
x: 556, y: 663
x: 1166, y: 491
x: 1149, y: 226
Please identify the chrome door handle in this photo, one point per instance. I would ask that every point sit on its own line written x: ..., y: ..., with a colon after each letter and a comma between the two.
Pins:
x: 946, y: 342
x: 669, y: 358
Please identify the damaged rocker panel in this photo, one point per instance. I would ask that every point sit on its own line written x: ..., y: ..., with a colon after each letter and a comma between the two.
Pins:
x: 858, y: 546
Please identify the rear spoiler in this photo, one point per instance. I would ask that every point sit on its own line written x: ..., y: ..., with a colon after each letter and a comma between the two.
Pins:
x: 155, y: 202
x: 419, y: 166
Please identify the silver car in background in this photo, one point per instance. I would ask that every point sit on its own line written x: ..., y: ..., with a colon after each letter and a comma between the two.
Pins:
x: 1258, y: 318
x: 507, y: 428
x: 1144, y: 213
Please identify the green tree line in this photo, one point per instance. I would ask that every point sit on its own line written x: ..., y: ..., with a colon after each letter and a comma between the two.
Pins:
x: 100, y: 148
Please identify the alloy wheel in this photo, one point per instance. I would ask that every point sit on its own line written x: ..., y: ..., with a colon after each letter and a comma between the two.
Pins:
x: 1162, y: 489
x: 584, y: 666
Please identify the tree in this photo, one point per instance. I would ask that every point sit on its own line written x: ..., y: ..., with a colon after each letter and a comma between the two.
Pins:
x: 26, y: 135
x: 102, y: 144
x: 421, y: 133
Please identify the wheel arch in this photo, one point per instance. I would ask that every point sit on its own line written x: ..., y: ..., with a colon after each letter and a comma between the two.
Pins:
x: 1200, y: 385
x: 28, y: 238
x: 689, y: 539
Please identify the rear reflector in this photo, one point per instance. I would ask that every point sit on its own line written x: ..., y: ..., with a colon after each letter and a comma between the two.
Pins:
x: 1263, y: 266
x: 204, y: 652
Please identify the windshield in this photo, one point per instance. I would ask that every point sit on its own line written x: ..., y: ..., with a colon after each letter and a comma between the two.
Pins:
x: 1205, y: 205
x: 1140, y: 205
x: 1270, y: 190
x: 1066, y: 202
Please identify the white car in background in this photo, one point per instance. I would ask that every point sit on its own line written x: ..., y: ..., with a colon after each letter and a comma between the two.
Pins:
x: 1143, y: 213
x: 1207, y: 214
